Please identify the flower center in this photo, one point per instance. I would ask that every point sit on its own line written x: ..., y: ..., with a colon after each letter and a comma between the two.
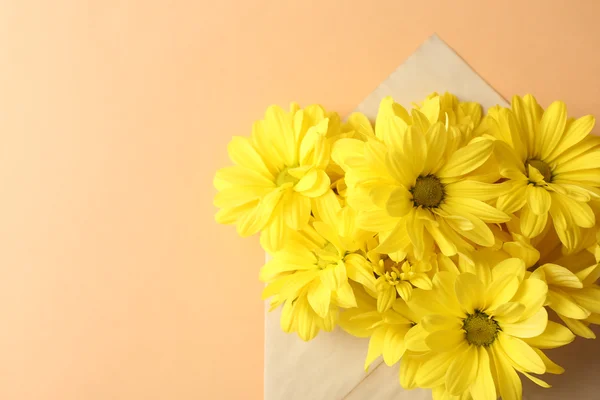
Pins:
x: 394, y: 272
x: 327, y: 256
x: 285, y: 177
x: 481, y: 329
x: 389, y: 265
x: 428, y: 191
x: 540, y: 166
x: 390, y: 270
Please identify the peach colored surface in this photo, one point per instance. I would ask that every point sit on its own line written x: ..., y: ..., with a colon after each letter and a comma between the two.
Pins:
x: 115, y: 282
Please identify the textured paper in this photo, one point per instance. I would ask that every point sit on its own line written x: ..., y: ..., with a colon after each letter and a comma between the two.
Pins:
x: 331, y: 366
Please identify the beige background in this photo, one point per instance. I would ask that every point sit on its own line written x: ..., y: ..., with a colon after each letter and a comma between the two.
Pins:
x: 115, y: 282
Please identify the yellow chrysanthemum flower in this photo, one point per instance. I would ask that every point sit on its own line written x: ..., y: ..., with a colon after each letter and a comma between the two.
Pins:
x: 310, y: 277
x: 278, y: 171
x: 476, y: 332
x: 552, y: 165
x: 385, y: 330
x: 397, y: 278
x: 416, y: 186
x: 460, y: 116
x: 571, y: 277
x: 396, y: 275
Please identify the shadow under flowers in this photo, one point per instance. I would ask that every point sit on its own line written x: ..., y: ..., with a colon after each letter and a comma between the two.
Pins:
x: 581, y: 361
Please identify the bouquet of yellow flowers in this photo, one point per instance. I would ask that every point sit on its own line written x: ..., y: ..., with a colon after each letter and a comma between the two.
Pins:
x: 461, y: 244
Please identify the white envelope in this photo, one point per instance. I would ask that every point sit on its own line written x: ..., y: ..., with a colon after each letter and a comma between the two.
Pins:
x: 330, y: 367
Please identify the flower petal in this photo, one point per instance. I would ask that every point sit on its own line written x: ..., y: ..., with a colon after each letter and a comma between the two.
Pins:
x: 539, y: 199
x: 327, y: 234
x: 571, y: 156
x: 286, y: 322
x: 391, y: 119
x: 360, y: 270
x: 509, y: 267
x: 236, y: 196
x: 445, y: 243
x: 551, y: 366
x: 521, y: 354
x: 532, y: 224
x: 559, y: 276
x: 563, y: 222
x: 479, y: 209
x: 462, y: 371
x: 375, y: 346
x: 576, y: 160
x: 575, y: 132
x: 582, y: 213
x: 306, y: 322
x: 444, y: 284
x: 421, y: 280
x: 528, y: 114
x: 565, y: 305
x: 375, y: 221
x: 241, y: 176
x: 552, y: 127
x: 475, y: 190
x: 333, y: 277
x: 344, y: 296
x: 242, y: 153
x: 386, y: 298
x: 404, y: 290
x: 470, y: 292
x: 532, y: 294
x: 530, y: 327
x: 432, y: 372
x: 415, y: 339
x: 399, y: 203
x: 279, y: 125
x: 401, y: 172
x: 288, y: 286
x: 588, y: 297
x: 319, y: 298
x: 408, y: 371
x: 554, y: 336
x: 508, y: 312
x: 393, y: 346
x: 414, y: 149
x: 296, y: 211
x: 467, y: 159
x: 445, y: 340
x: 415, y: 227
x: 314, y: 147
x: 231, y: 215
x: 578, y: 327
x: 436, y: 137
x: 314, y: 184
x: 327, y: 208
x: 536, y: 380
x: 522, y: 250
x: 509, y: 384
x: 479, y: 232
x: 514, y: 199
x: 501, y: 291
x: 397, y: 240
x: 484, y: 388
x: 274, y: 235
x: 432, y: 323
